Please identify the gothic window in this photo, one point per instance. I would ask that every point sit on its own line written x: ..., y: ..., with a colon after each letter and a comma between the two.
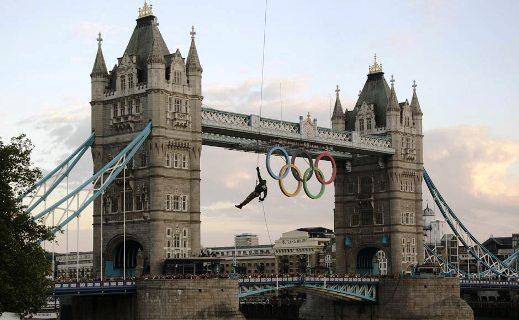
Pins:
x: 180, y: 203
x: 184, y: 161
x: 170, y: 104
x: 168, y: 232
x: 366, y: 214
x: 123, y: 82
x: 177, y: 77
x: 168, y: 160
x: 144, y: 159
x: 186, y: 106
x: 128, y: 201
x: 168, y: 255
x: 176, y: 160
x: 366, y: 186
x: 361, y: 125
x: 129, y: 107
x: 168, y: 202
x: 178, y: 105
x: 130, y: 80
x: 350, y: 185
x: 115, y: 204
x: 137, y: 105
x: 114, y: 111
x: 368, y: 124
x: 121, y: 110
x: 138, y: 202
x: 379, y: 214
x: 176, y: 241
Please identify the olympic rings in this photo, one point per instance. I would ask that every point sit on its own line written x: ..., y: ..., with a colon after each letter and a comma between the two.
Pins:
x: 287, y: 161
x: 310, y: 161
x: 306, y: 177
x: 302, y: 180
x: 334, y: 167
x: 283, y: 172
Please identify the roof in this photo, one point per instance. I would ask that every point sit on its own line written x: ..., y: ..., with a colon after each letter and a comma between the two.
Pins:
x: 260, y: 246
x: 193, y: 62
x: 376, y: 91
x: 146, y: 38
x: 99, y: 68
x: 500, y: 241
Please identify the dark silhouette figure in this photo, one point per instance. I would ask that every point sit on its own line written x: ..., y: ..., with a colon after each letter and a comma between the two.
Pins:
x: 260, y: 188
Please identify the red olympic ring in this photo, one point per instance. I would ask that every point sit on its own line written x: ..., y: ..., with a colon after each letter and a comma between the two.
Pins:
x: 326, y: 154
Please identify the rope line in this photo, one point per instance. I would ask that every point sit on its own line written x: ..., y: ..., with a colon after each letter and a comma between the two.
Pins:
x: 266, y: 224
x: 262, y: 71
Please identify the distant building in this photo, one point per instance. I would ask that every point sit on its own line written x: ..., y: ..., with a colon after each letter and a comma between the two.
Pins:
x: 249, y: 259
x: 68, y: 263
x: 305, y: 250
x: 246, y: 240
x: 501, y: 247
x: 434, y: 229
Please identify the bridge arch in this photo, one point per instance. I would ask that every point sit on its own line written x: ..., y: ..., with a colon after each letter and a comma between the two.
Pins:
x: 371, y: 260
x: 136, y: 256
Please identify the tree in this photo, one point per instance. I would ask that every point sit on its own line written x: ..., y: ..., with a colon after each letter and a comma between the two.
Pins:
x: 24, y: 266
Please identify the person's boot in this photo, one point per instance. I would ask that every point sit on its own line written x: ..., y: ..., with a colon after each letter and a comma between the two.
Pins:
x: 239, y: 206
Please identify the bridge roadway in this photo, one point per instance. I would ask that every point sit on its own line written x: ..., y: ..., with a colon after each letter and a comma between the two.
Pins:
x: 243, y: 132
x: 345, y: 288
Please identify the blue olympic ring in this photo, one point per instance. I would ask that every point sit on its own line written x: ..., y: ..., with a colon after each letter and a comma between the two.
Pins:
x: 287, y: 161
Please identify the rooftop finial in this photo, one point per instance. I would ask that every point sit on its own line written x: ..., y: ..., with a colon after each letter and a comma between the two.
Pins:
x: 99, y: 39
x: 146, y: 10
x: 414, y: 85
x: 337, y: 91
x: 192, y: 33
x: 376, y: 67
x: 392, y: 81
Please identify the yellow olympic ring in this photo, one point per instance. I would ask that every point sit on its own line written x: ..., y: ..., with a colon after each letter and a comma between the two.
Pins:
x: 280, y: 181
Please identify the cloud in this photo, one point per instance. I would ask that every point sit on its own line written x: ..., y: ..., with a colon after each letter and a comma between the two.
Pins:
x: 293, y: 100
x: 477, y: 175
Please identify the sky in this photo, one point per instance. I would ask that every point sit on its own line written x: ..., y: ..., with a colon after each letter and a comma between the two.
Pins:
x: 463, y: 55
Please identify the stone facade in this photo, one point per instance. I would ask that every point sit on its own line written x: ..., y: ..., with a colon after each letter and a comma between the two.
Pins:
x: 210, y: 299
x: 188, y: 299
x: 378, y: 201
x: 437, y: 299
x: 148, y: 83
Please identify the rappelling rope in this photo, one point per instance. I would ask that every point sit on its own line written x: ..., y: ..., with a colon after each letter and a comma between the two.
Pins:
x: 261, y: 108
x: 262, y: 73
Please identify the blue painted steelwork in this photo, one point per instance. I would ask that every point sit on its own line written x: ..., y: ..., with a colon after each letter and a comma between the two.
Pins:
x: 112, y: 168
x: 348, y: 288
x: 94, y: 288
x: 478, y: 251
x: 79, y: 151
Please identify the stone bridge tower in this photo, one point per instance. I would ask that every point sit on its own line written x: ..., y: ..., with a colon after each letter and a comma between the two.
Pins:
x: 378, y: 201
x: 162, y: 205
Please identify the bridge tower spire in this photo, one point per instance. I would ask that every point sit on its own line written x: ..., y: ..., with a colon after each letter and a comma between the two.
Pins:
x: 338, y: 118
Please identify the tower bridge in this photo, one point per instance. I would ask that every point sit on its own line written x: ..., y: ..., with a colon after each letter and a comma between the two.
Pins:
x: 149, y: 127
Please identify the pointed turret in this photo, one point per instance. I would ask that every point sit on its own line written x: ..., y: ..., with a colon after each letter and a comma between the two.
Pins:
x: 99, y: 74
x: 415, y: 105
x: 156, y: 54
x: 392, y: 109
x: 393, y: 101
x: 99, y: 68
x: 193, y: 68
x: 416, y: 110
x: 193, y: 62
x: 338, y: 117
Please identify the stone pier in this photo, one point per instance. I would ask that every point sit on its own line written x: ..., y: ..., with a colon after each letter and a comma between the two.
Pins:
x: 211, y: 299
x: 437, y: 299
